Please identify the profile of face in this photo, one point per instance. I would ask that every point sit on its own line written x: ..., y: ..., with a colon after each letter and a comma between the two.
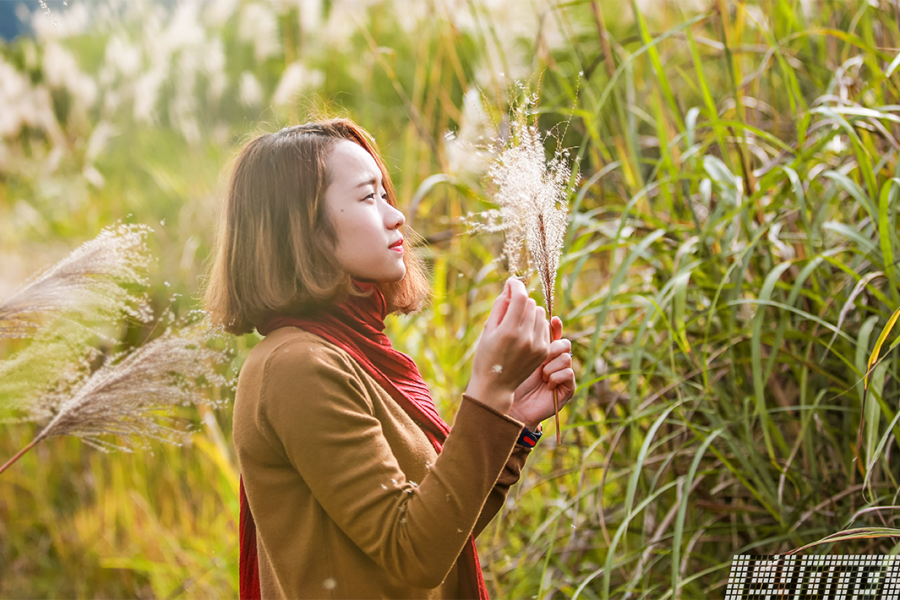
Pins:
x: 366, y: 225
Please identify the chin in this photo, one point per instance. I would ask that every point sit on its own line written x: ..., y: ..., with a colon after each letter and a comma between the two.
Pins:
x: 387, y: 279
x: 398, y: 278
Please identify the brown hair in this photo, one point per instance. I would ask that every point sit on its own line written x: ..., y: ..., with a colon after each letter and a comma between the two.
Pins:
x: 272, y: 252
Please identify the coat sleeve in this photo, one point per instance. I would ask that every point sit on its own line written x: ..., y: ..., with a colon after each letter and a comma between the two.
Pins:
x: 510, y: 476
x: 330, y: 435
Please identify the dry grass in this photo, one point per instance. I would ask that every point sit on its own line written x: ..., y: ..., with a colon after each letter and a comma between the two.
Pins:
x: 130, y: 396
x: 92, y: 284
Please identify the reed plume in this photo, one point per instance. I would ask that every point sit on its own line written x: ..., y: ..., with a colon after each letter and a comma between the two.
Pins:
x: 36, y: 380
x: 532, y: 194
x: 131, y: 396
x: 92, y: 282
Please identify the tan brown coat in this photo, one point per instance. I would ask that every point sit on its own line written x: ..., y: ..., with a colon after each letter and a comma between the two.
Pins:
x: 349, y: 497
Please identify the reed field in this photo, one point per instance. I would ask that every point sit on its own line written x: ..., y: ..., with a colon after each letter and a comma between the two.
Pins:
x: 729, y: 268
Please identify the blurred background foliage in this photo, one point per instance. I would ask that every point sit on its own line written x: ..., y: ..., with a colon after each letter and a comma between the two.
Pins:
x: 729, y: 263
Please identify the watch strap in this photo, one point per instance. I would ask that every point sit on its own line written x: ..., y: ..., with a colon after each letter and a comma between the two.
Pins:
x: 528, y: 438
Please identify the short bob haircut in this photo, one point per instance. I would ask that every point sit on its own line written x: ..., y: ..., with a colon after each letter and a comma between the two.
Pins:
x: 275, y: 239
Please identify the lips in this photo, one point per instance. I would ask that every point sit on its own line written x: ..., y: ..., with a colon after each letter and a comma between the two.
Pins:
x: 396, y: 244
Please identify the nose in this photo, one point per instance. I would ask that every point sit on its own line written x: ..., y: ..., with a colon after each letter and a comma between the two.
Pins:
x: 394, y: 218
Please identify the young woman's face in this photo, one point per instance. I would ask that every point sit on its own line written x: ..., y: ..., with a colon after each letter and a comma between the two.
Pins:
x: 366, y: 225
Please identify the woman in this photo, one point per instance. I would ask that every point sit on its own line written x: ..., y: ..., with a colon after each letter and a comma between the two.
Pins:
x: 352, y: 485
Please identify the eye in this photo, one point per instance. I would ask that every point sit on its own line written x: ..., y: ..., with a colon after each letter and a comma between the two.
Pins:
x: 371, y: 196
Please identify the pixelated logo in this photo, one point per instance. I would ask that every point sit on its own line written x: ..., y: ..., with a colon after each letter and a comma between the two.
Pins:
x: 808, y: 577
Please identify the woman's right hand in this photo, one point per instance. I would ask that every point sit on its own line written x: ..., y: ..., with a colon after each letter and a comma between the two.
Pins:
x: 515, y: 342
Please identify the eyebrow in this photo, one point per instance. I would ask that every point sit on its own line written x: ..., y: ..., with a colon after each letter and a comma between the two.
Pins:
x: 372, y: 181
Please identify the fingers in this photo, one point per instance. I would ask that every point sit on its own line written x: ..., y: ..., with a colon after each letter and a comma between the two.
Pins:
x: 564, y: 381
x: 518, y: 299
x: 541, y: 329
x: 529, y: 314
x: 501, y: 305
x: 563, y: 346
x: 520, y: 315
x: 559, y: 358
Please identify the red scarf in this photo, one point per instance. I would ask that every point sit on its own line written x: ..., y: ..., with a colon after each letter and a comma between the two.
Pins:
x: 357, y: 326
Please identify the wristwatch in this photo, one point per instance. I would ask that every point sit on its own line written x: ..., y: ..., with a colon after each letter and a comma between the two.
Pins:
x: 529, y: 438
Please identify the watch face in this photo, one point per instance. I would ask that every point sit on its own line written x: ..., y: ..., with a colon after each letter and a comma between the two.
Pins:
x: 529, y: 438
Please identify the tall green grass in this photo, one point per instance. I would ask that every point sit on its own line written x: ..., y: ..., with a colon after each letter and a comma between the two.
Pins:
x: 731, y: 260
x: 732, y: 263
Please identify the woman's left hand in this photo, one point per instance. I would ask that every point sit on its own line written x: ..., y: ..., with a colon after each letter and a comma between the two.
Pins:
x: 533, y: 400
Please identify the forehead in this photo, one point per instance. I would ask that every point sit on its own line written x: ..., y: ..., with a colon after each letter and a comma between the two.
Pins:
x: 349, y: 164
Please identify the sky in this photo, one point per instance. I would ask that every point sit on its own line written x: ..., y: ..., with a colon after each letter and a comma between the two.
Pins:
x: 10, y: 25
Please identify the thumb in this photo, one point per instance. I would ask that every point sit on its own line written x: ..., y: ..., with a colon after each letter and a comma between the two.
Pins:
x: 555, y: 329
x: 498, y: 311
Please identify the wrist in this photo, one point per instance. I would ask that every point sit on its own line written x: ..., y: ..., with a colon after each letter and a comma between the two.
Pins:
x: 531, y: 425
x: 497, y: 397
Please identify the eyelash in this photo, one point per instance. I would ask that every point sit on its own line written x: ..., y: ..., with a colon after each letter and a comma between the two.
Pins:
x: 385, y: 196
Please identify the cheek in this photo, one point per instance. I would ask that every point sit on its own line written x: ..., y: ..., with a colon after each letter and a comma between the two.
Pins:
x: 360, y: 224
x: 353, y: 230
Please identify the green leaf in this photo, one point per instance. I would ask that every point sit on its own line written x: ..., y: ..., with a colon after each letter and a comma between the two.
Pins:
x: 878, y: 343
x: 759, y: 386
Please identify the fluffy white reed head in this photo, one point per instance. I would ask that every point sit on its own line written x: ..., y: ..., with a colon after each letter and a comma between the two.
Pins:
x: 132, y: 396
x: 92, y: 282
x: 532, y: 195
x: 38, y: 378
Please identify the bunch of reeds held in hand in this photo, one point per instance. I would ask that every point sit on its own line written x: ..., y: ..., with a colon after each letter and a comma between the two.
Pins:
x: 532, y: 195
x: 127, y: 400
